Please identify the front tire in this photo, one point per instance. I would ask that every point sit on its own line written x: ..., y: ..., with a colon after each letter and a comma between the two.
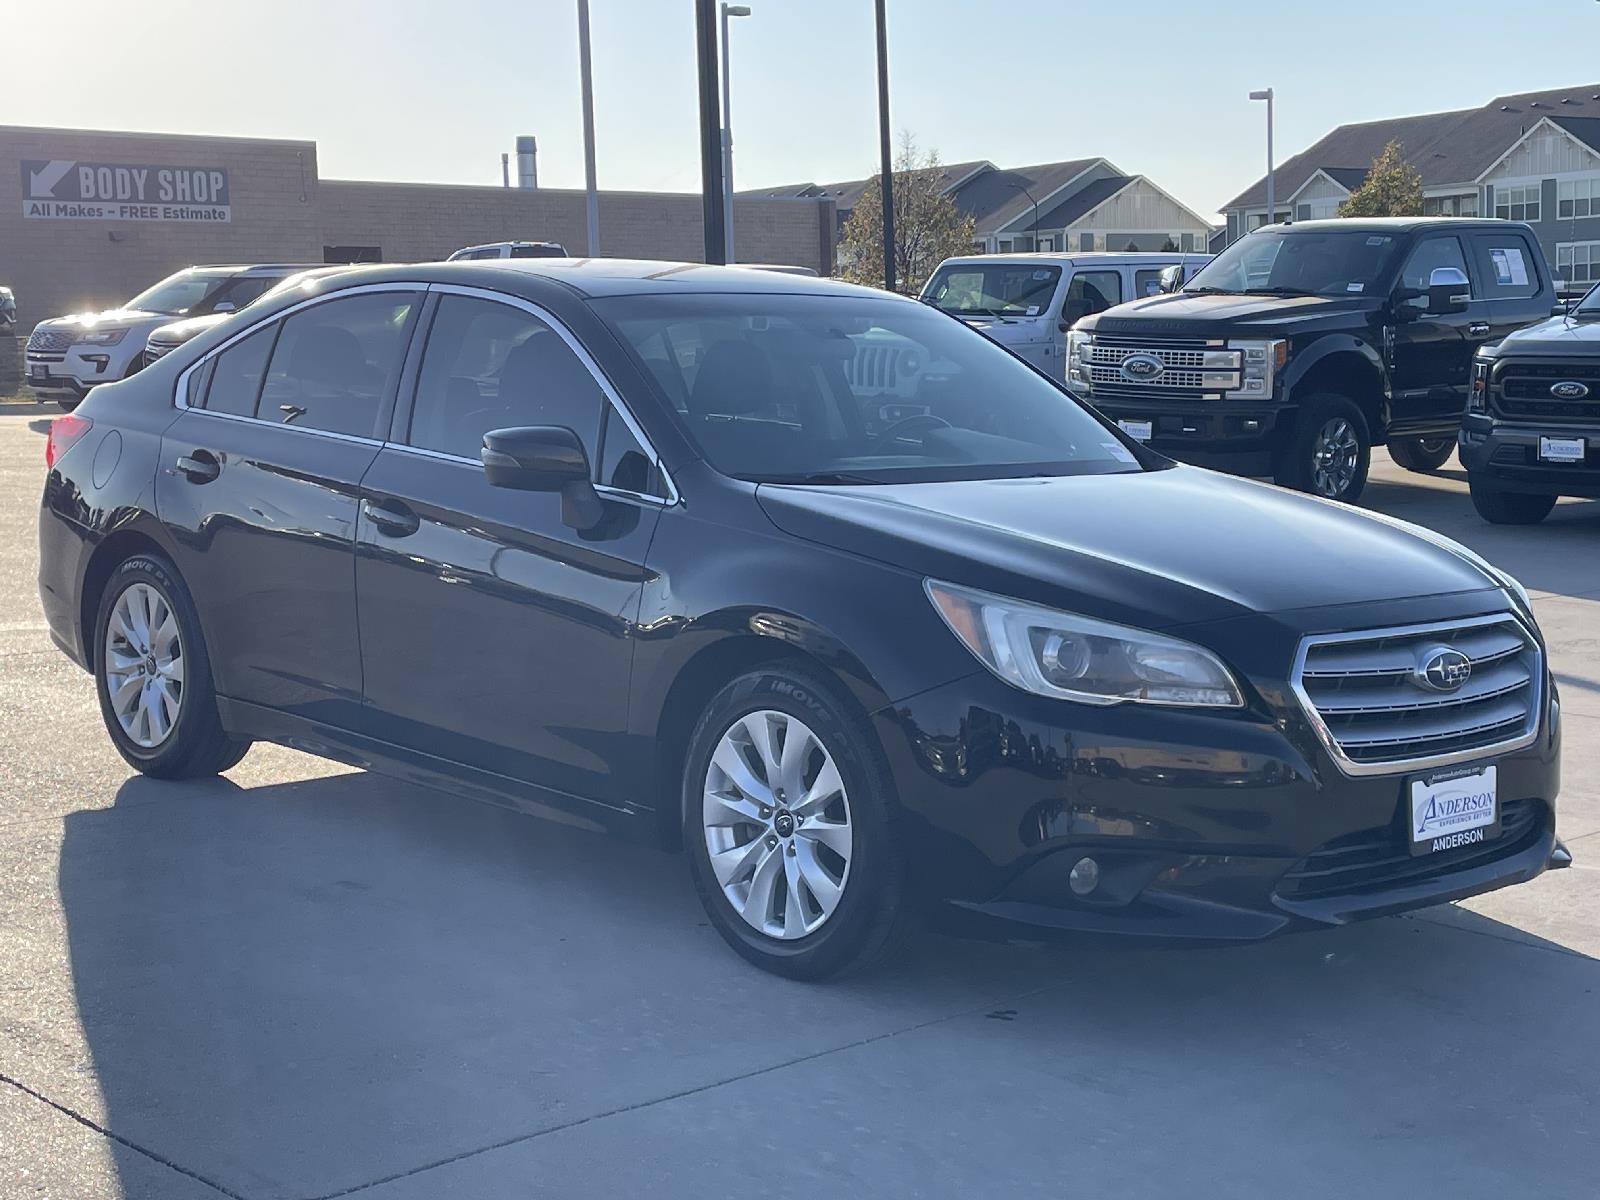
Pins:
x: 153, y: 676
x: 1509, y: 508
x: 1329, y: 449
x: 789, y: 823
x: 1421, y: 454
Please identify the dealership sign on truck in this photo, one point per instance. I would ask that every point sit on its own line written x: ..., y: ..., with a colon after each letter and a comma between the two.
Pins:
x: 96, y: 191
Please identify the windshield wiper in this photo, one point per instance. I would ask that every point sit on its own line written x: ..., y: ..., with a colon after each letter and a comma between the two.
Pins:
x: 1278, y: 291
x: 1208, y: 291
x: 821, y: 477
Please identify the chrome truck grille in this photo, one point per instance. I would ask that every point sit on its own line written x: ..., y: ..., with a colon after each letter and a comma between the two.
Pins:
x: 51, y: 341
x: 1378, y: 707
x: 1185, y: 364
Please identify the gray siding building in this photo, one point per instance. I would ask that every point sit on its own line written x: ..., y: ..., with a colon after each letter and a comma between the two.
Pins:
x: 1531, y: 157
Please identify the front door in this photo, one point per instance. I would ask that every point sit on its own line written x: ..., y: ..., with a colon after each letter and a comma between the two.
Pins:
x: 493, y: 634
x: 259, y: 486
x: 1432, y: 352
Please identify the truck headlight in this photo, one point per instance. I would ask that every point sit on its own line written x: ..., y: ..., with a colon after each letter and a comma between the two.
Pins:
x: 1478, y: 392
x: 1262, y: 360
x: 1078, y: 347
x: 100, y: 337
x: 1072, y: 657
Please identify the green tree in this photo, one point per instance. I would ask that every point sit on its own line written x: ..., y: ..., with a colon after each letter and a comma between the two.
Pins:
x: 1393, y: 188
x: 1169, y: 246
x: 928, y: 227
x: 1133, y: 246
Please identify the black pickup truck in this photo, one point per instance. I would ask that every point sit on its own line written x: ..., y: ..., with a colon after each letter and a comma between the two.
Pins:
x: 1531, y: 432
x: 1301, y: 346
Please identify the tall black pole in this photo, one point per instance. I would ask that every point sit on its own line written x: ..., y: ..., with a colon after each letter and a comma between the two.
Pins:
x: 705, y: 30
x: 886, y: 165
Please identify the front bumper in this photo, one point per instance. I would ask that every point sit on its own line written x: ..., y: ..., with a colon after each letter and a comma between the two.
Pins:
x: 1505, y: 457
x: 77, y: 369
x: 1228, y: 435
x: 1204, y: 826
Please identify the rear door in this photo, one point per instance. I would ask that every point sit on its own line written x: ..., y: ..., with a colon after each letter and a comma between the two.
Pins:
x: 1508, y: 272
x: 493, y: 634
x: 259, y: 486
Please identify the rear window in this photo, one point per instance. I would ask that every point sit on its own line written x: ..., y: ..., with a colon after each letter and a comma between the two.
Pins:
x: 1506, y: 266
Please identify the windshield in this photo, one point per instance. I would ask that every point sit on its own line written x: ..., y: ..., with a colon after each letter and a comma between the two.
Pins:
x: 1311, y: 263
x: 178, y: 294
x: 979, y: 289
x: 1589, y: 306
x: 830, y: 389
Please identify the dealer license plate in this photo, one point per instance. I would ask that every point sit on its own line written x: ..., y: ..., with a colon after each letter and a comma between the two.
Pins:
x: 1451, y: 809
x: 1138, y: 430
x: 1559, y: 449
x: 38, y: 371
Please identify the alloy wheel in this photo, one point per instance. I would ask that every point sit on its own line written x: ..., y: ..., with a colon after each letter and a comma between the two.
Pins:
x: 1334, y: 454
x: 144, y: 665
x: 777, y: 824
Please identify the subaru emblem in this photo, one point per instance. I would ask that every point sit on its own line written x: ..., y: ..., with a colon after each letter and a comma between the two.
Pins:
x: 1142, y: 368
x: 1441, y: 669
x: 1569, y: 389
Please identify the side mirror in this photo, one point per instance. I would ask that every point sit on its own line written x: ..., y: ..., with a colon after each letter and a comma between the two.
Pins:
x: 1171, y: 279
x: 544, y: 458
x: 1448, y: 291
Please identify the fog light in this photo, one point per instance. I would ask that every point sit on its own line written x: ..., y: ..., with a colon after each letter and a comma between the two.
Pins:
x: 1085, y: 876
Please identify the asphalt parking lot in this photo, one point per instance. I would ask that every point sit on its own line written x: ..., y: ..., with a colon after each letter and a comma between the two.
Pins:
x: 302, y: 981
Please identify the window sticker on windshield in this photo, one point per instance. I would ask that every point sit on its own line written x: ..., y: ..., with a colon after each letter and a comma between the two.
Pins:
x: 1042, y: 274
x: 1033, y: 310
x: 1119, y: 452
x: 1355, y: 287
x: 1509, y: 268
x: 1376, y: 241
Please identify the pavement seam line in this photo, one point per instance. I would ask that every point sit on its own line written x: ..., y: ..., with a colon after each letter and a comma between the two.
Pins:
x: 623, y: 1109
x: 1542, y: 945
x: 118, y: 1138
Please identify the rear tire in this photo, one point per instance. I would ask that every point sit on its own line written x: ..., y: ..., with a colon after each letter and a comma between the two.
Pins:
x: 780, y: 893
x: 1329, y: 449
x: 153, y: 676
x: 1421, y: 454
x: 1509, y: 508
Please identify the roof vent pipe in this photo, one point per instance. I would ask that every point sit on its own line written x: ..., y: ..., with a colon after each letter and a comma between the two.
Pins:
x: 527, y: 163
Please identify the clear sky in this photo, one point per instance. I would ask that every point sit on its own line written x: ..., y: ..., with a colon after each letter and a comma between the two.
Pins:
x: 433, y: 91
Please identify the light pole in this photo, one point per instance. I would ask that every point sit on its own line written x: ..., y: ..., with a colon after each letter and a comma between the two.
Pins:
x: 1272, y: 200
x: 591, y: 198
x: 711, y: 197
x: 885, y: 163
x: 1017, y: 187
x: 728, y: 10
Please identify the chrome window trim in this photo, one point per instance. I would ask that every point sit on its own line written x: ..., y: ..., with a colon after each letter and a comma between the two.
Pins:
x: 1428, y: 762
x: 539, y: 312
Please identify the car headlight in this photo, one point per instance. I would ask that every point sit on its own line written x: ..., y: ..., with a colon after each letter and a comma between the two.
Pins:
x: 100, y: 337
x: 1478, y: 393
x: 1072, y: 657
x: 1260, y: 362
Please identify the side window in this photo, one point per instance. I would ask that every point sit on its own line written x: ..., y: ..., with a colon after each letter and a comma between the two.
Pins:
x: 493, y: 366
x: 624, y: 462
x: 1506, y: 265
x: 1146, y: 282
x: 1427, y: 256
x: 236, y: 374
x: 335, y: 362
x: 1091, y: 292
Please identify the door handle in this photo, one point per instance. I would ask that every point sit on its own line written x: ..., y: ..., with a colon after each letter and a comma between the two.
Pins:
x: 200, y: 466
x: 1478, y: 329
x: 391, y: 518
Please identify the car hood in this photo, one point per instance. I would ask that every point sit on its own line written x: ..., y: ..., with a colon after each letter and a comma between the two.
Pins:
x: 1183, y: 312
x: 1013, y: 330
x: 111, y: 318
x: 1556, y: 337
x: 1158, y: 548
x: 182, y: 331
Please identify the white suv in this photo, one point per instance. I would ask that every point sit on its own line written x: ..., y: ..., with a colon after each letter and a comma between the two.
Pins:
x: 67, y: 356
x: 510, y: 250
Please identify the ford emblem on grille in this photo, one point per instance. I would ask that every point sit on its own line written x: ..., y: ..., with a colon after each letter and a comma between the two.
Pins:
x: 1441, y: 669
x: 1569, y: 389
x: 1141, y: 368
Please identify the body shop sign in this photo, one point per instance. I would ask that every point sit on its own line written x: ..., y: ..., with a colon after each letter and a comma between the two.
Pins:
x: 65, y: 189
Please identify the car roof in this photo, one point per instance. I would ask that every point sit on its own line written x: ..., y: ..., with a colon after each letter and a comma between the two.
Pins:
x: 246, y: 268
x: 1104, y: 258
x: 1394, y: 224
x: 593, y: 278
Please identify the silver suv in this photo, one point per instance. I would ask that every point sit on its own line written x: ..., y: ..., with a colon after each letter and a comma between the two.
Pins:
x: 511, y: 250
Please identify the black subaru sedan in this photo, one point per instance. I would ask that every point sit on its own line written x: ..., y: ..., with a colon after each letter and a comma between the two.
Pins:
x: 816, y: 582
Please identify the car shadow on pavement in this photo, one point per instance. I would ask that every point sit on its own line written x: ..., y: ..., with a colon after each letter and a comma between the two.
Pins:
x: 292, y: 990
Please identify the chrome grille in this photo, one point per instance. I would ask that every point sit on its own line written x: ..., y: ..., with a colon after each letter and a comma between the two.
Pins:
x: 49, y: 340
x: 1362, y: 693
x: 1183, y: 364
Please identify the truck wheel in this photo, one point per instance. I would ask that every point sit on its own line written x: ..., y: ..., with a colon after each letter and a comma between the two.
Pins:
x: 1329, y: 449
x: 1509, y: 508
x: 1422, y: 454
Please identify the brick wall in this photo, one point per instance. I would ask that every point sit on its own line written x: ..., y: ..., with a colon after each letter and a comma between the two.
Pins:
x: 57, y: 266
x: 281, y: 212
